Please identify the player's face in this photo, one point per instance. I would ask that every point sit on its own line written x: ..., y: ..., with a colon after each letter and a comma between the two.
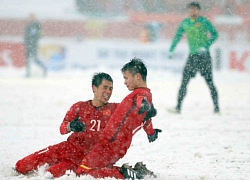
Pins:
x: 103, y: 92
x: 130, y: 81
x: 193, y: 12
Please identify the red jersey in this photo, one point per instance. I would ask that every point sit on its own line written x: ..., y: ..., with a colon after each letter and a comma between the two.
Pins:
x: 68, y: 154
x: 126, y: 120
x: 95, y: 119
x: 117, y: 136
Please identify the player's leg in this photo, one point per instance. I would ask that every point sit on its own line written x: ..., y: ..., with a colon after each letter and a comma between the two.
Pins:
x: 50, y: 155
x: 60, y: 169
x: 103, y: 154
x: 125, y: 172
x: 27, y: 62
x: 33, y: 161
x: 40, y: 63
x: 68, y: 158
x: 113, y: 172
x: 206, y: 72
x: 188, y: 72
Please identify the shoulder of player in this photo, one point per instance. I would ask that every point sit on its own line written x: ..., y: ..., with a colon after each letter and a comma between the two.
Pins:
x: 186, y: 20
x: 140, y: 92
x: 202, y: 19
x: 111, y: 105
x: 81, y: 103
x: 142, y: 89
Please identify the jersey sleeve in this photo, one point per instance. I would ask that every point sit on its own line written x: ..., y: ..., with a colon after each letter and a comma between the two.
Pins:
x: 148, y: 127
x: 177, y: 37
x: 214, y: 34
x: 70, y: 116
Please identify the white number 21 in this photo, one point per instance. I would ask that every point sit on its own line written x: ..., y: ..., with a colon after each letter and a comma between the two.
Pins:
x: 96, y: 124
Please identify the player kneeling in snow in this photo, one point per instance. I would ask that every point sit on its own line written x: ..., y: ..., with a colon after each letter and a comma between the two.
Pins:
x: 132, y: 114
x: 86, y: 120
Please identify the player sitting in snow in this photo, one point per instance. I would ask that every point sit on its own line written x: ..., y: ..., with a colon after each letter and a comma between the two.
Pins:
x: 86, y: 120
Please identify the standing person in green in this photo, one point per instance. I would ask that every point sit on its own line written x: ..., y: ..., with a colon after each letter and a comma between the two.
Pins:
x: 31, y: 40
x: 197, y: 29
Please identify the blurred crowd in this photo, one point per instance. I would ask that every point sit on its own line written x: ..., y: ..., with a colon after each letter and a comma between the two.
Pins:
x: 121, y: 7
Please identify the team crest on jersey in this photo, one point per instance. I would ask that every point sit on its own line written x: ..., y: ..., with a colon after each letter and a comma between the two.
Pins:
x: 197, y: 24
x: 106, y: 113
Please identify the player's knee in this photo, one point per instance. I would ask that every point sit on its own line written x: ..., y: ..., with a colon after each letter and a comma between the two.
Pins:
x: 21, y: 167
x: 27, y: 164
x: 56, y: 172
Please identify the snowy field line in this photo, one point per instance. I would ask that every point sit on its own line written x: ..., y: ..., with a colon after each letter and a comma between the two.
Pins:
x: 196, y: 144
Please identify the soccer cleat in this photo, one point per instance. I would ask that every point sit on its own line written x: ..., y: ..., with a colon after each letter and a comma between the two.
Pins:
x: 138, y: 172
x: 128, y: 172
x: 216, y: 110
x: 175, y: 111
x: 142, y: 171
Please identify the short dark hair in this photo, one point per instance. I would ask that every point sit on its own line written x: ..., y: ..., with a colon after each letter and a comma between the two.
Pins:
x: 136, y: 65
x: 194, y: 4
x: 99, y: 77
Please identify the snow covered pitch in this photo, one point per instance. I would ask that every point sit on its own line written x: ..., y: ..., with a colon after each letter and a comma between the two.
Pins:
x: 196, y: 144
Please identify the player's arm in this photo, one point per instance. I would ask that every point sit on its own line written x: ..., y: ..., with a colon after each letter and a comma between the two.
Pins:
x: 71, y: 121
x: 177, y: 37
x: 151, y: 132
x: 145, y: 107
x: 66, y: 121
x: 214, y: 33
x: 148, y: 127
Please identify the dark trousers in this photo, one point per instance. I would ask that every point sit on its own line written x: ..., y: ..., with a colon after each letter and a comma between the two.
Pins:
x: 31, y: 56
x: 198, y: 63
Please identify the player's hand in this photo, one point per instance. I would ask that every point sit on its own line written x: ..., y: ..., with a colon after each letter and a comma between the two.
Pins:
x: 76, y: 125
x: 154, y: 136
x: 170, y: 55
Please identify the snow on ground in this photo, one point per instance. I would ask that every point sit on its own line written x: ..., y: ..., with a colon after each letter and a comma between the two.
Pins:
x: 196, y: 144
x: 193, y: 145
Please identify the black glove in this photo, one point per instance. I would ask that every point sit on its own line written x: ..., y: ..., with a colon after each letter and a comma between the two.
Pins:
x: 76, y: 126
x: 153, y: 137
x: 145, y: 106
x: 151, y: 113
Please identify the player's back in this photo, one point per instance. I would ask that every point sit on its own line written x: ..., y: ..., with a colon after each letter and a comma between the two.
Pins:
x: 126, y: 117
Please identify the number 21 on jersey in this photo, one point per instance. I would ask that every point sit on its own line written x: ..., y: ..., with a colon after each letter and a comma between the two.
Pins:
x: 95, y: 125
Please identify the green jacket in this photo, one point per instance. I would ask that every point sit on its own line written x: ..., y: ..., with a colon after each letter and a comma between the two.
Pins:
x: 197, y: 34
